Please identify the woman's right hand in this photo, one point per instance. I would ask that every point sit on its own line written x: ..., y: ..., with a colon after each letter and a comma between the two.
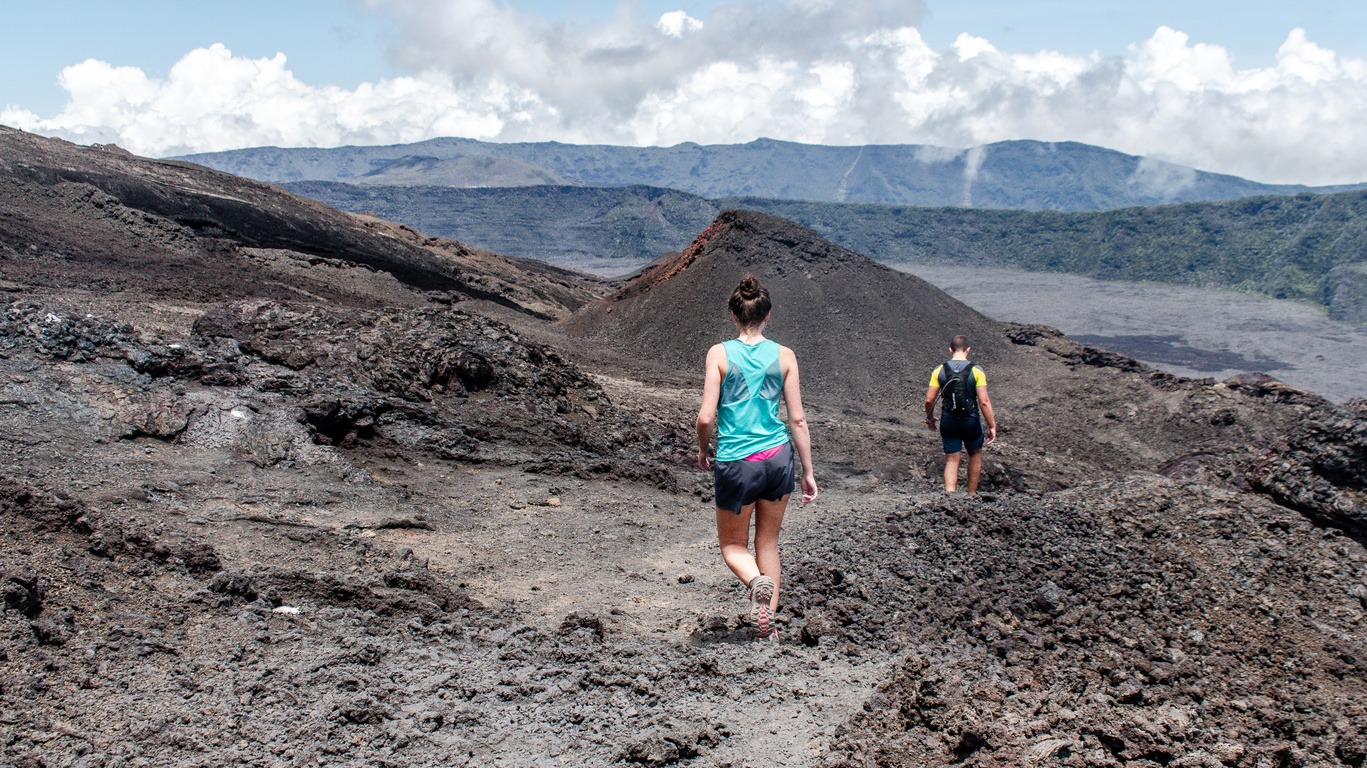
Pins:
x: 703, y: 463
x: 809, y: 489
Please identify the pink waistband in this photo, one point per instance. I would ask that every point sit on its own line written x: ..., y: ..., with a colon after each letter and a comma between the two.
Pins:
x: 764, y: 454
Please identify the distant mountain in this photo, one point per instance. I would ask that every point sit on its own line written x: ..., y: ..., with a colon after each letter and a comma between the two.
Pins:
x: 592, y: 228
x: 1306, y: 247
x: 1028, y: 175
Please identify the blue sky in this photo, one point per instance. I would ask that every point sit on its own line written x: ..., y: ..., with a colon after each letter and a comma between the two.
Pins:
x: 387, y: 71
x: 344, y: 42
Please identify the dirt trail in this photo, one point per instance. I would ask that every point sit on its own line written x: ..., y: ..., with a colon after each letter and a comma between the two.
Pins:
x: 540, y: 551
x: 582, y: 644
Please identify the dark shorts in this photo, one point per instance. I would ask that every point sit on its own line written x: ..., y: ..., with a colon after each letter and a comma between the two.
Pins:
x: 961, y: 432
x: 741, y: 483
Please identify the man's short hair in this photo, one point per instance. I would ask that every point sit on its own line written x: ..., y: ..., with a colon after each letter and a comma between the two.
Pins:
x: 959, y: 343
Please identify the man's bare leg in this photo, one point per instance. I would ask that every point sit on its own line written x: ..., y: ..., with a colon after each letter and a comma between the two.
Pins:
x: 951, y: 472
x: 975, y: 470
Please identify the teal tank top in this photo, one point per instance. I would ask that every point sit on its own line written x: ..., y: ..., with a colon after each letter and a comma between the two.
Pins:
x: 747, y: 416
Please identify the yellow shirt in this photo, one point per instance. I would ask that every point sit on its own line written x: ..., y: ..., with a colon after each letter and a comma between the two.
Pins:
x: 979, y: 378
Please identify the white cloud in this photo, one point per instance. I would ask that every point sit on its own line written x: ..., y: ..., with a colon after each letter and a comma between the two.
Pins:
x: 212, y: 100
x: 1168, y: 58
x: 968, y: 46
x: 1161, y: 181
x: 973, y: 162
x: 676, y: 23
x: 849, y: 72
x: 929, y: 153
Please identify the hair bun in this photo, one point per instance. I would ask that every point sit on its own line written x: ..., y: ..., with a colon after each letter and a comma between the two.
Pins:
x: 749, y: 287
x: 749, y: 302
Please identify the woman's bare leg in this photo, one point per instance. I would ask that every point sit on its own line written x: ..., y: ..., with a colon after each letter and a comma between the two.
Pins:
x: 768, y: 523
x: 733, y: 534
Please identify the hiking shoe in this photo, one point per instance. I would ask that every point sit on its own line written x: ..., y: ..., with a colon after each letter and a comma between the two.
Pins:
x: 761, y: 592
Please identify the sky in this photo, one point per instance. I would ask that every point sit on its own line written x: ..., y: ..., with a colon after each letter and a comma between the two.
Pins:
x: 1270, y: 91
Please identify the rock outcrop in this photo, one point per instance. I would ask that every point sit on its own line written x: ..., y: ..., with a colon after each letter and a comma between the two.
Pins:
x: 1322, y: 470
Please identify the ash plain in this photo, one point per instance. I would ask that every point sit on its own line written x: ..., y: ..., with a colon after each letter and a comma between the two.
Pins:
x: 1194, y: 332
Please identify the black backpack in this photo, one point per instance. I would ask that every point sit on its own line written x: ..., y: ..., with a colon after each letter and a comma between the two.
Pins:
x: 957, y: 391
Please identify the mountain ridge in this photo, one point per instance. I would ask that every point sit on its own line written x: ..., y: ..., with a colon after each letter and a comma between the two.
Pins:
x: 106, y: 211
x: 1018, y: 174
x: 1305, y: 247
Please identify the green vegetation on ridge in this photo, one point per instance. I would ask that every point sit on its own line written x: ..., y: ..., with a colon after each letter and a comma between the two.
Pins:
x: 1304, y: 247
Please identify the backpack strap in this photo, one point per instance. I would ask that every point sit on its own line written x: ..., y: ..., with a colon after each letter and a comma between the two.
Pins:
x: 944, y: 375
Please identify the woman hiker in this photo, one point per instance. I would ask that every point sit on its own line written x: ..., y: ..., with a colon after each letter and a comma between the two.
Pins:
x: 754, y: 469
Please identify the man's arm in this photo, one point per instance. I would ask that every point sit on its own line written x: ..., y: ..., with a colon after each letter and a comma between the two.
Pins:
x: 985, y: 405
x: 932, y: 394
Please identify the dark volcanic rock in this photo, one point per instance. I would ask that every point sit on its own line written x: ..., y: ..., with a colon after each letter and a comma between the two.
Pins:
x: 1095, y: 626
x: 443, y: 381
x: 83, y: 217
x: 23, y: 592
x: 459, y: 385
x: 1262, y: 386
x: 47, y: 511
x: 1323, y: 469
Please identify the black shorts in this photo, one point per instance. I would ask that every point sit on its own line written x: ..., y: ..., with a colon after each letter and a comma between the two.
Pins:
x: 961, y: 432
x: 740, y: 483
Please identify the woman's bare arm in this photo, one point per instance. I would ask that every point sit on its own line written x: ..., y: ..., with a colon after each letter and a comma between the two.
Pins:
x: 797, y: 422
x: 711, y: 392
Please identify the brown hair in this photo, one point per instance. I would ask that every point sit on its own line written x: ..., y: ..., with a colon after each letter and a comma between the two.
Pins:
x: 750, y: 302
x: 959, y: 343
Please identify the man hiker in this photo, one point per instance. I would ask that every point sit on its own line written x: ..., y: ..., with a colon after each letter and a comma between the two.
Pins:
x: 962, y: 387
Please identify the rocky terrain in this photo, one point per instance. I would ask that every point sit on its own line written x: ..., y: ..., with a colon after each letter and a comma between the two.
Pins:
x: 285, y: 486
